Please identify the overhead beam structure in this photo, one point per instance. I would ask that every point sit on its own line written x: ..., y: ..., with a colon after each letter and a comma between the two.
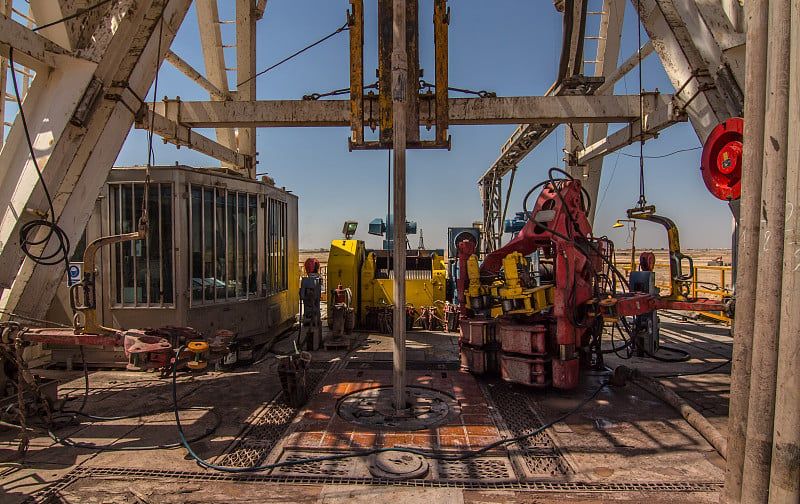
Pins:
x: 653, y: 124
x: 30, y: 49
x: 706, y: 68
x: 208, y: 22
x: 81, y: 148
x: 463, y: 111
x: 182, y: 136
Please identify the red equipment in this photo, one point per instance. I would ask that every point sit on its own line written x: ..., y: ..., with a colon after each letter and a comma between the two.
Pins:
x: 560, y: 326
x: 144, y: 350
x: 559, y: 228
x: 721, y: 162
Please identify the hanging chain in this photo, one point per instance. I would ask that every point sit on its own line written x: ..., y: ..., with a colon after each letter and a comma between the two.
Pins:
x: 480, y: 94
x: 335, y: 92
x: 423, y: 85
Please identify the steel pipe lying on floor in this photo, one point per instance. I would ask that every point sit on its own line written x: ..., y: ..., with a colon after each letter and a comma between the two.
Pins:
x: 623, y: 374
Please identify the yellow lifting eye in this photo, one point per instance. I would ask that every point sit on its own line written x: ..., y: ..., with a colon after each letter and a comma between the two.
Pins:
x: 197, y: 346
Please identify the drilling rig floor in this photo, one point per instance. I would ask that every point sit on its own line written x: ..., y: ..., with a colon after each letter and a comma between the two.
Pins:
x: 620, y: 443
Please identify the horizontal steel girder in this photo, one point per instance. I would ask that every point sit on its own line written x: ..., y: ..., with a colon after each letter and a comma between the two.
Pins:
x: 181, y: 136
x: 508, y: 110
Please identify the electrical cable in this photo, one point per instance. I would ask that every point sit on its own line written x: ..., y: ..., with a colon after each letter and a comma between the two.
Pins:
x: 610, y: 181
x: 362, y: 453
x: 77, y: 13
x: 661, y: 155
x: 684, y: 355
x: 26, y: 231
x: 705, y: 371
x: 85, y: 381
x: 344, y: 27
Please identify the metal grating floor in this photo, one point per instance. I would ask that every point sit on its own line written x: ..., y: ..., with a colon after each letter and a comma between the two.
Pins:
x: 536, y: 456
x: 410, y: 365
x: 483, y: 470
x: 51, y: 493
x: 253, y: 447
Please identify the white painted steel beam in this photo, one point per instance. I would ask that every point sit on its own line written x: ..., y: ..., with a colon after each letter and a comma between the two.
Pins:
x: 332, y: 113
x: 693, y: 61
x: 214, y: 57
x: 625, y: 68
x: 188, y: 70
x: 30, y: 49
x: 260, y: 6
x: 48, y: 105
x: 654, y: 122
x: 246, y: 70
x: 182, y: 136
x: 607, y: 56
x: 47, y: 11
x: 82, y: 156
x: 5, y: 9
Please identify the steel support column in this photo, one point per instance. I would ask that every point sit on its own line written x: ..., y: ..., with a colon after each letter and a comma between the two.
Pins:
x: 607, y: 57
x: 214, y: 57
x: 246, y: 71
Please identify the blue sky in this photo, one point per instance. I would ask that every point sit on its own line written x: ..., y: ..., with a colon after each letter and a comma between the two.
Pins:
x: 510, y: 47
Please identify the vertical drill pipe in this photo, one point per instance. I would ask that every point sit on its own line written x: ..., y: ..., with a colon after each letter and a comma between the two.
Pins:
x: 385, y: 28
x: 747, y: 249
x: 441, y: 20
x: 761, y: 412
x: 784, y: 485
x: 356, y: 23
x: 399, y: 95
x: 412, y: 42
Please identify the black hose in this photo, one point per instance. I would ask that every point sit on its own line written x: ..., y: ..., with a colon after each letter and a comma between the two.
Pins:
x: 28, y: 231
x: 92, y: 446
x: 684, y: 355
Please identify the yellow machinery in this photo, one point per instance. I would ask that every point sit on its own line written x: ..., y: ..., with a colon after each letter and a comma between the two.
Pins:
x: 369, y: 275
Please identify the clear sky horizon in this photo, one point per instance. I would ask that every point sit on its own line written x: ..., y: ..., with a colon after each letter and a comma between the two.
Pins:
x: 510, y: 47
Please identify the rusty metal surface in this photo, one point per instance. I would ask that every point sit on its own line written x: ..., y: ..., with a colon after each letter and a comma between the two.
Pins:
x: 266, y: 429
x: 373, y: 408
x: 441, y: 21
x: 356, y: 23
x: 536, y: 456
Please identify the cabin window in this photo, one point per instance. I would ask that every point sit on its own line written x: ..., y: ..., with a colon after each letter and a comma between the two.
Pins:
x: 277, y: 265
x: 223, y: 235
x: 142, y: 273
